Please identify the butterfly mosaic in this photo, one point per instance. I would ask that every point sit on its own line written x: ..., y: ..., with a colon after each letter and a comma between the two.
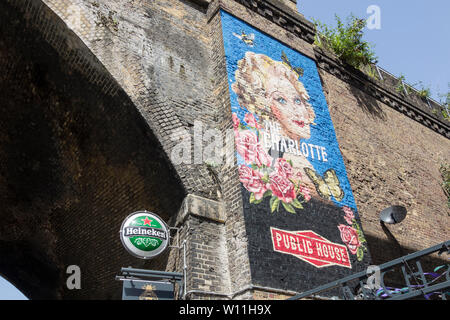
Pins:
x: 298, y: 70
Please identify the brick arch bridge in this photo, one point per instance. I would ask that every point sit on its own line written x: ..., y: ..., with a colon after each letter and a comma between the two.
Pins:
x: 95, y: 94
x: 84, y: 140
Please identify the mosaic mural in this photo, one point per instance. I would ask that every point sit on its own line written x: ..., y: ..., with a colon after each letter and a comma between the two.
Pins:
x: 297, y: 198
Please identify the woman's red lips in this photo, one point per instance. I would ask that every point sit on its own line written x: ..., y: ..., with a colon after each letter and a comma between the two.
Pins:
x: 301, y: 124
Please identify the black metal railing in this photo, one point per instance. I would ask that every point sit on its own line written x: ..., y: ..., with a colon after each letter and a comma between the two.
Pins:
x: 370, y: 284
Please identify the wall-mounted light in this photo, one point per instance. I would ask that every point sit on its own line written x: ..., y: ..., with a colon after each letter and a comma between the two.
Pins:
x: 393, y: 215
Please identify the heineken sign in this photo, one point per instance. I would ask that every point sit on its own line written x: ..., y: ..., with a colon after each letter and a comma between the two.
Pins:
x: 144, y: 234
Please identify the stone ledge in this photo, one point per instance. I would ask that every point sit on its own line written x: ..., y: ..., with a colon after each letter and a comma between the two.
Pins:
x: 203, y: 4
x: 379, y: 91
x: 276, y: 12
x: 201, y: 207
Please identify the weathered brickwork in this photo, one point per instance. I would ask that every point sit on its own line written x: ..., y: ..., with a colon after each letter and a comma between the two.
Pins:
x: 236, y: 240
x: 96, y: 94
x: 412, y: 106
x: 391, y: 159
x: 74, y: 161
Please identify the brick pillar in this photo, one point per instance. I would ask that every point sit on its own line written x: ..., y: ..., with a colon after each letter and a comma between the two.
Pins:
x: 201, y: 225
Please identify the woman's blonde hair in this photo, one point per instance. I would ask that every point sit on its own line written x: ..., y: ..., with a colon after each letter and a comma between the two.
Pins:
x: 252, y: 76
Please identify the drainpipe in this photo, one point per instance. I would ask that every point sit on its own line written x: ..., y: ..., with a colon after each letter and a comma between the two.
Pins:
x: 184, y: 270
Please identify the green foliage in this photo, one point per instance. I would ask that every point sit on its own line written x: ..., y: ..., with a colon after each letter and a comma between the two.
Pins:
x: 371, y: 71
x: 445, y: 172
x: 444, y: 100
x: 400, y: 87
x: 407, y: 89
x: 424, y: 93
x: 445, y: 104
x: 346, y: 41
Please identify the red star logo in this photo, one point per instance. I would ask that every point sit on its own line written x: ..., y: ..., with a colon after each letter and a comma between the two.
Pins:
x: 147, y: 221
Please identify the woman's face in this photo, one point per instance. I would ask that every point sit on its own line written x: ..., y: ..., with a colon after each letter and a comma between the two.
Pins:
x: 289, y: 107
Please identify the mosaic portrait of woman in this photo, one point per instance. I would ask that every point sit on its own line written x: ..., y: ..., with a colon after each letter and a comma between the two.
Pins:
x: 274, y: 117
x: 277, y: 118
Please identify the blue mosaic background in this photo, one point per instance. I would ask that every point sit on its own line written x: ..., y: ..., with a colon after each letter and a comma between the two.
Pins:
x: 323, y: 133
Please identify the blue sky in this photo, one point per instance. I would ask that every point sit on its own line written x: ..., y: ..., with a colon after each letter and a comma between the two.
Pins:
x: 9, y: 292
x: 414, y: 39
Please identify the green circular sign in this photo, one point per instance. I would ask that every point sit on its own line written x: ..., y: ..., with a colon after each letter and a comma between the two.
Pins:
x: 144, y: 234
